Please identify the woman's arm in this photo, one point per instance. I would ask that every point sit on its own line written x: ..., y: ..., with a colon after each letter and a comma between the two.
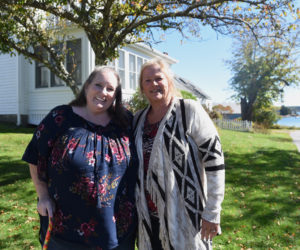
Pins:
x: 205, y: 135
x: 46, y: 205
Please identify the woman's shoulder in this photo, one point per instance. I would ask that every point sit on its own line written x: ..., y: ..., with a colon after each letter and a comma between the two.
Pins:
x: 190, y: 104
x: 137, y: 116
x: 193, y: 109
x: 62, y: 107
x: 58, y: 115
x: 61, y: 110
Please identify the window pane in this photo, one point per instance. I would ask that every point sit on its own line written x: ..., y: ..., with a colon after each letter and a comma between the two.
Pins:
x: 55, y: 80
x: 42, y: 73
x: 74, y: 60
x: 139, y: 67
x: 132, y: 63
x: 122, y: 77
x: 121, y: 63
x: 132, y: 79
x: 139, y: 64
x: 45, y: 78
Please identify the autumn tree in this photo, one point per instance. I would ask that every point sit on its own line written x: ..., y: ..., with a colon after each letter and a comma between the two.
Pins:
x: 261, y: 72
x: 38, y: 29
x: 223, y: 109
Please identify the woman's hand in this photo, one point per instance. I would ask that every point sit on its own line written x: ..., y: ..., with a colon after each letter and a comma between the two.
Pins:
x: 46, y: 206
x: 209, y: 230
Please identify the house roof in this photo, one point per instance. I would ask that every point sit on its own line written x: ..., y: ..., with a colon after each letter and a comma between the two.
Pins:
x: 184, y: 84
x: 151, y: 51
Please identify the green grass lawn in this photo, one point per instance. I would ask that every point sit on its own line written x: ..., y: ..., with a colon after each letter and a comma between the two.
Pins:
x: 261, y: 209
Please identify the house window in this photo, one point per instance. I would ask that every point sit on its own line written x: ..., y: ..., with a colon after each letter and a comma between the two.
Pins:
x: 135, y: 65
x: 132, y: 72
x: 74, y: 60
x: 121, y: 67
x: 42, y: 73
x: 140, y: 62
x: 45, y: 78
x: 55, y: 80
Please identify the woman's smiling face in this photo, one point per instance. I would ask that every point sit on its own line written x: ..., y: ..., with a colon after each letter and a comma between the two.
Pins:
x: 155, y: 85
x: 101, y: 92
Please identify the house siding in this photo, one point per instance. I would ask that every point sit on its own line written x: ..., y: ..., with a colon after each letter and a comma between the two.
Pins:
x: 9, y: 85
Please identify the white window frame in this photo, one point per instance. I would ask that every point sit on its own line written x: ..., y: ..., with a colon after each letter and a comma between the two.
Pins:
x: 135, y: 71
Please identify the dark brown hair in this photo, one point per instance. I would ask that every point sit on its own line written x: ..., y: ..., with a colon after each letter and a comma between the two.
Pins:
x: 117, y: 111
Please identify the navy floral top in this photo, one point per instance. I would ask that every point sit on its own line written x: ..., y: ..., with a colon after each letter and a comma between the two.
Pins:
x: 91, y: 174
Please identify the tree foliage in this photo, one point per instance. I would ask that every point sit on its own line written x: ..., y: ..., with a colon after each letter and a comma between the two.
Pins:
x: 187, y: 95
x: 285, y: 110
x: 265, y: 116
x: 262, y: 71
x: 29, y: 24
x: 213, y: 114
x: 137, y: 102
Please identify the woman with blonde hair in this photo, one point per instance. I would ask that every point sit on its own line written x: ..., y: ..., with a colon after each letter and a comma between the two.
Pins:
x: 181, y: 174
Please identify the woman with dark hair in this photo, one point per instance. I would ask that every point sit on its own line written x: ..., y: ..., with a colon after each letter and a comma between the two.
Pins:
x: 83, y: 165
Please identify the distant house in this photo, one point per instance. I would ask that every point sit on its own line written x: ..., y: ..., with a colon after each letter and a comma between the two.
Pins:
x: 187, y: 85
x: 29, y: 91
x: 231, y: 116
x: 230, y: 110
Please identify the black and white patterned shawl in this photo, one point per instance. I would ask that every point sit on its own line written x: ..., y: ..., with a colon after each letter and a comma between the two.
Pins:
x: 185, y: 176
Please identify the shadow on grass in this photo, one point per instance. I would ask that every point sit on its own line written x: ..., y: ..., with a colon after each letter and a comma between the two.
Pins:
x: 12, y: 171
x: 278, y: 139
x: 13, y: 128
x: 265, y: 183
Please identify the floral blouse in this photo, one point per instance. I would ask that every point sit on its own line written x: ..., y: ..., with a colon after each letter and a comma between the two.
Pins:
x: 150, y: 131
x: 91, y: 175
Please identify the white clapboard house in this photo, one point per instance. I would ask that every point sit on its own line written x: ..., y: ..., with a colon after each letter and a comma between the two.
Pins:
x: 28, y: 91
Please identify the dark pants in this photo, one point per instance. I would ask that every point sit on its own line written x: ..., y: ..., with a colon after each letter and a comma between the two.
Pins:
x: 56, y: 243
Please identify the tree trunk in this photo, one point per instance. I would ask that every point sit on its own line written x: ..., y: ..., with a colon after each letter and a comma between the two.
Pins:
x: 246, y: 109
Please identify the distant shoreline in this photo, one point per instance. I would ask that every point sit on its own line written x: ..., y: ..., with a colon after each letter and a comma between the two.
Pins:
x: 284, y: 116
x: 289, y: 120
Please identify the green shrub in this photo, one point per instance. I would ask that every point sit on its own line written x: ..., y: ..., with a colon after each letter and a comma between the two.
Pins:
x: 265, y: 116
x: 137, y: 102
x: 187, y: 95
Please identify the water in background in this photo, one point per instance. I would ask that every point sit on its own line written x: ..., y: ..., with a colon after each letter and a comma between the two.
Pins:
x: 290, y: 121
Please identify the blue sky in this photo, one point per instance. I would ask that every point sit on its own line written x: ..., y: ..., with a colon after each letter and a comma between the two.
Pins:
x: 203, y: 63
